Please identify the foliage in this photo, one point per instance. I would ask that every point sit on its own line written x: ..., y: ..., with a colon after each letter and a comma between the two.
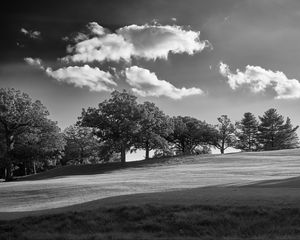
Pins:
x: 81, y: 145
x: 188, y: 134
x: 223, y: 136
x: 247, y: 132
x: 38, y: 146
x: 18, y: 115
x: 275, y: 133
x: 116, y: 121
x: 155, y: 126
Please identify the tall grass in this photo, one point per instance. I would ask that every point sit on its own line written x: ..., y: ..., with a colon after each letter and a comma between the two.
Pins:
x: 159, y: 222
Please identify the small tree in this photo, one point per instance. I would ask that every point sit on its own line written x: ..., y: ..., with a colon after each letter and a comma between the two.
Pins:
x: 116, y: 121
x: 155, y: 126
x: 188, y: 134
x: 223, y: 136
x: 81, y: 144
x: 247, y: 133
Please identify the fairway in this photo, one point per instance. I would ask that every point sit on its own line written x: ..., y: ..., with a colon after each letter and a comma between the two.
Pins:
x: 173, y: 174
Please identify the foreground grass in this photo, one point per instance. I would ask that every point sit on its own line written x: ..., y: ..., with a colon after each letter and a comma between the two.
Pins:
x: 154, y: 221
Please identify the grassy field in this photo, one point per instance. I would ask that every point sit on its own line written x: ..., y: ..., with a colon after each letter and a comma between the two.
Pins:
x: 235, y: 196
x: 65, y: 186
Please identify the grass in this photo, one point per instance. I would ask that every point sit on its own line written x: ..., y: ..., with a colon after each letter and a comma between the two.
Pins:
x: 175, y: 198
x: 159, y: 222
x: 79, y: 184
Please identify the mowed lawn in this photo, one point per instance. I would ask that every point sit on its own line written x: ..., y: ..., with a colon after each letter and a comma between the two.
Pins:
x: 65, y: 186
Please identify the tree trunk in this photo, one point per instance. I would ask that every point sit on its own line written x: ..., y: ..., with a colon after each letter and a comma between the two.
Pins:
x: 222, y: 146
x: 8, y: 173
x: 34, y: 167
x: 147, y: 150
x: 123, y: 153
x: 8, y: 157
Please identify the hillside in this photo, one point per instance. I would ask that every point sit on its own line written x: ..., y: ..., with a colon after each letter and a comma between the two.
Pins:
x: 79, y: 184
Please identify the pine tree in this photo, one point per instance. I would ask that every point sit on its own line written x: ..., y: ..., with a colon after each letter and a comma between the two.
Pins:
x: 247, y: 132
x: 288, y: 135
x: 274, y: 133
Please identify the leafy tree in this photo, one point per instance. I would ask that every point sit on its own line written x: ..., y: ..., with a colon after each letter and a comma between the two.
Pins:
x: 188, y: 134
x: 155, y: 126
x: 247, y: 133
x: 275, y: 133
x: 81, y: 144
x: 223, y: 136
x: 18, y: 113
x: 38, y: 145
x: 116, y: 121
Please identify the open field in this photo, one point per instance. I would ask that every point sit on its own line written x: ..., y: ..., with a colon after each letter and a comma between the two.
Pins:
x: 64, y: 187
x: 235, y: 196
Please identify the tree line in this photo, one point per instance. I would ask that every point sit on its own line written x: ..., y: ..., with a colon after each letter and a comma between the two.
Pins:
x: 30, y: 141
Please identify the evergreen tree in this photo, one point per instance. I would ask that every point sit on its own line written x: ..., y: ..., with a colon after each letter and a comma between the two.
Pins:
x: 288, y: 136
x: 274, y: 133
x: 247, y: 133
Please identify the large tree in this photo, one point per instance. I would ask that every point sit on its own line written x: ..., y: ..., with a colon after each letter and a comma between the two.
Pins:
x: 155, y: 126
x: 275, y: 133
x: 18, y: 113
x: 247, y: 133
x: 38, y: 146
x: 116, y: 121
x: 223, y: 136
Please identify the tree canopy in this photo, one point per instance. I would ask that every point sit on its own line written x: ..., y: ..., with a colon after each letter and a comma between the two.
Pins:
x: 116, y: 121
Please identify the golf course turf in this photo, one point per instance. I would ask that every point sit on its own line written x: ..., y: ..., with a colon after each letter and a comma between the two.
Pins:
x: 257, y: 198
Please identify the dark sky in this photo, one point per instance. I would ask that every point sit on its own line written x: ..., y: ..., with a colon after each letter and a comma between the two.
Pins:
x: 258, y: 33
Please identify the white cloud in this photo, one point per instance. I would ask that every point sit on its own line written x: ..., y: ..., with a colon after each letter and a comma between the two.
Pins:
x: 31, y: 34
x: 146, y: 83
x: 156, y: 41
x: 259, y: 79
x: 37, y: 62
x: 110, y: 47
x: 85, y: 76
x: 140, y: 41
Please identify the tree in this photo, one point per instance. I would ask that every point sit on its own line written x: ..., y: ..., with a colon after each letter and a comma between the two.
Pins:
x: 155, y: 126
x: 223, y: 135
x: 289, y: 138
x: 275, y: 133
x: 37, y: 146
x: 81, y: 144
x: 247, y: 133
x: 116, y: 121
x: 18, y: 113
x: 188, y: 134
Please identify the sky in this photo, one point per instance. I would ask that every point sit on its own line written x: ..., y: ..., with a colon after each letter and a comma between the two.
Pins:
x: 191, y: 58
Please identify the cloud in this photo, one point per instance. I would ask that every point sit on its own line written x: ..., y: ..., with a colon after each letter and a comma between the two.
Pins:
x: 31, y: 34
x: 259, y: 79
x: 37, y: 62
x: 84, y: 76
x: 134, y: 41
x: 146, y: 83
x: 80, y: 76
